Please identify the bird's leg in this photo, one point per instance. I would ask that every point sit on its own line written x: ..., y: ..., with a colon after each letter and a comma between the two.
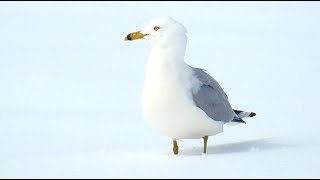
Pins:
x: 205, y: 140
x: 175, y: 147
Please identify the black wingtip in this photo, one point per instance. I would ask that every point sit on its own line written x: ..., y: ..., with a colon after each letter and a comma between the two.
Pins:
x: 252, y: 114
x: 237, y: 111
x: 239, y: 121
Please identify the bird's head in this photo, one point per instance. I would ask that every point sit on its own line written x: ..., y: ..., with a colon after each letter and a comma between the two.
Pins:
x: 160, y: 30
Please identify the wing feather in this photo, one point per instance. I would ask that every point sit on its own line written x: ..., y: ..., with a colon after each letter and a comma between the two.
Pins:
x: 211, y: 98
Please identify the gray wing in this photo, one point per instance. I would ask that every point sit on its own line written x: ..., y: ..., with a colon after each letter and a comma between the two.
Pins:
x: 211, y: 98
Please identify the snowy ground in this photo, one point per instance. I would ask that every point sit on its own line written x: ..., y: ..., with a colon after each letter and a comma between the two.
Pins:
x: 71, y: 88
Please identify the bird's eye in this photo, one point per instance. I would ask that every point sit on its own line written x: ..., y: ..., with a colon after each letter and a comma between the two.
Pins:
x: 156, y: 28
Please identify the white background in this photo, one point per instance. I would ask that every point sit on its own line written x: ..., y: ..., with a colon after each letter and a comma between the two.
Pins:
x: 70, y: 90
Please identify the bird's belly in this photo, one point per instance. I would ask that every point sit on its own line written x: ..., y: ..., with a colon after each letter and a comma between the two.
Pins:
x: 170, y: 109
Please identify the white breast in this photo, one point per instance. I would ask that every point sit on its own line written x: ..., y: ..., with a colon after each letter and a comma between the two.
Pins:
x: 168, y: 105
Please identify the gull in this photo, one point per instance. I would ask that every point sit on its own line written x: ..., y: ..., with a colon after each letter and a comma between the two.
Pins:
x: 181, y: 101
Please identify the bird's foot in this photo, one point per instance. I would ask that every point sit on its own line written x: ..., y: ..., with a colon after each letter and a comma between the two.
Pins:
x: 175, y: 147
x: 205, y: 140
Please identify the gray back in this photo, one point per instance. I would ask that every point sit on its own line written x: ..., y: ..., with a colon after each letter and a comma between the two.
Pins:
x: 211, y: 98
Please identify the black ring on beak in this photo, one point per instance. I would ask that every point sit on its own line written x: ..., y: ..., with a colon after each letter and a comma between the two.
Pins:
x: 129, y: 37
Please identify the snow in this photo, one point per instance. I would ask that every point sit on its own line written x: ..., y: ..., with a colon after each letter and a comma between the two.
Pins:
x: 67, y: 112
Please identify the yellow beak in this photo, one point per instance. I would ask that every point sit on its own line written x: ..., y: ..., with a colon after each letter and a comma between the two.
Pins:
x: 135, y: 36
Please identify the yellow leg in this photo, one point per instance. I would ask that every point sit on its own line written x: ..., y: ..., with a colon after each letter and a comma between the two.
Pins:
x: 205, y: 140
x: 175, y: 147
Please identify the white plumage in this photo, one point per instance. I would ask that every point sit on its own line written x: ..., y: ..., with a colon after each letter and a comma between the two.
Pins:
x: 167, y: 99
x: 180, y: 101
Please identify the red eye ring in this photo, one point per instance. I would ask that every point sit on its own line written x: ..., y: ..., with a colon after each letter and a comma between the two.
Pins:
x: 156, y: 28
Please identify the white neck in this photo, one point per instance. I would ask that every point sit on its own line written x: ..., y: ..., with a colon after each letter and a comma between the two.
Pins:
x: 171, y: 46
x: 166, y: 59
